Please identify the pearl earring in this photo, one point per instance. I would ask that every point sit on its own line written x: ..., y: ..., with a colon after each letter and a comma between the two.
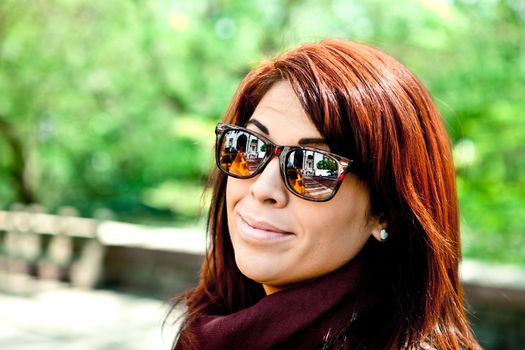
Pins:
x: 383, y: 234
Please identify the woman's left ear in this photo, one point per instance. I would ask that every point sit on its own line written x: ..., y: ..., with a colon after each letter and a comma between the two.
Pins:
x: 379, y: 230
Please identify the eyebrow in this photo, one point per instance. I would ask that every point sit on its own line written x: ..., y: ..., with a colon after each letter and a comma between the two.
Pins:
x: 303, y: 141
x: 259, y: 126
x: 311, y: 141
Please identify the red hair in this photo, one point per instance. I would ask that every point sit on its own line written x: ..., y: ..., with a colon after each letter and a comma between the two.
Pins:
x: 371, y: 109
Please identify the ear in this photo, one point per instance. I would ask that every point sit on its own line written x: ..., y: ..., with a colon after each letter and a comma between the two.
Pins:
x: 378, y: 229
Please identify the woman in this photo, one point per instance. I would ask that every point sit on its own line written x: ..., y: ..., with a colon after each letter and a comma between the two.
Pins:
x: 364, y: 252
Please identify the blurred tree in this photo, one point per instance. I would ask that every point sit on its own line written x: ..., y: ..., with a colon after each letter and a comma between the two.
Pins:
x: 113, y: 103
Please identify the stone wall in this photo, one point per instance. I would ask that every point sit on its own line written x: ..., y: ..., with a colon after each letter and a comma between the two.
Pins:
x: 161, y: 262
x: 496, y: 297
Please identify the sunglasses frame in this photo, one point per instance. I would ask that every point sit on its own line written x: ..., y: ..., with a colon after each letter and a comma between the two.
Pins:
x: 282, y: 152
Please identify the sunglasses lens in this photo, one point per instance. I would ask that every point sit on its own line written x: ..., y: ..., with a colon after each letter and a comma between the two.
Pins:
x: 311, y: 174
x: 240, y: 153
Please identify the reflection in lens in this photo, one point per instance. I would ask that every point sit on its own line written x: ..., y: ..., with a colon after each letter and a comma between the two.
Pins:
x: 311, y: 174
x: 241, y: 153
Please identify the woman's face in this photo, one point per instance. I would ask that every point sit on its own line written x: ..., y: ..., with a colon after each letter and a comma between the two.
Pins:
x: 280, y: 239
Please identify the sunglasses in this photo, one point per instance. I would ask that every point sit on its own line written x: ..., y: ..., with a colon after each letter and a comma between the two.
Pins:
x: 309, y: 173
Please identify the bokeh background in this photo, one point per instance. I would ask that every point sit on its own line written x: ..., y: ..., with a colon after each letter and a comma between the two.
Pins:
x: 109, y: 106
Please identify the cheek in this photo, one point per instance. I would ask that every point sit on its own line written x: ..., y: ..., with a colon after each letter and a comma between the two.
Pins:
x: 235, y: 191
x: 338, y: 230
x: 347, y: 211
x: 335, y: 227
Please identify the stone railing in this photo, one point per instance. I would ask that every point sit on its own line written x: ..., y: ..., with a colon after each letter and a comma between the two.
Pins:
x: 495, y: 296
x: 61, y: 247
x: 88, y: 253
x: 160, y: 262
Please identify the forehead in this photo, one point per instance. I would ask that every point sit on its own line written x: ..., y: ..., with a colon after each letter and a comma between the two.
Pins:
x: 280, y: 111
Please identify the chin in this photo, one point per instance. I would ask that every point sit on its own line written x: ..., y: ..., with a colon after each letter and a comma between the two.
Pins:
x: 257, y: 268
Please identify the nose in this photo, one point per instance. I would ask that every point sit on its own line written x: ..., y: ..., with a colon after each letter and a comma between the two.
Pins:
x: 268, y: 186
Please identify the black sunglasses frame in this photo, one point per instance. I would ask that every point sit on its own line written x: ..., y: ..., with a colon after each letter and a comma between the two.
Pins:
x: 343, y: 164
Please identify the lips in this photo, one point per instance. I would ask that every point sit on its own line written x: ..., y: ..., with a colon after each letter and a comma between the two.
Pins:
x: 262, y: 225
x: 260, y: 230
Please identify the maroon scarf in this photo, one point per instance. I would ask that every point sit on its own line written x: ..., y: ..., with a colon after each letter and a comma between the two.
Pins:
x: 300, y: 317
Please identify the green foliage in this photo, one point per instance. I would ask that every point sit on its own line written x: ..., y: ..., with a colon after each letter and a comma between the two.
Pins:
x: 113, y: 103
x: 327, y: 164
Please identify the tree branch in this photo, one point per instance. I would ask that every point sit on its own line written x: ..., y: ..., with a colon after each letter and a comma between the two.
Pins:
x: 17, y: 170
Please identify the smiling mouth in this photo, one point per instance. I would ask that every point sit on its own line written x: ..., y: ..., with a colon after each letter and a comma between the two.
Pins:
x: 261, y: 231
x: 262, y: 225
